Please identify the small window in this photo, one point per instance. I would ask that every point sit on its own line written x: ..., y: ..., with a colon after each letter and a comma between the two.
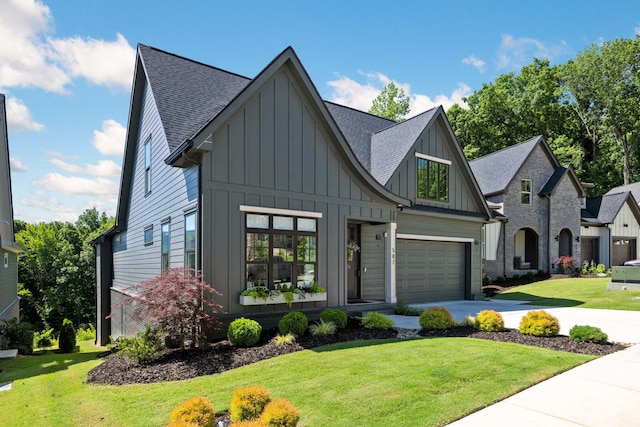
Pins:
x: 6, y: 260
x: 433, y: 180
x: 148, y: 235
x: 190, y: 240
x: 525, y: 191
x: 147, y: 166
x: 165, y: 230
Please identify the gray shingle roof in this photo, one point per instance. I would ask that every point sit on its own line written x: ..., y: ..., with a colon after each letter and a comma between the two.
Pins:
x: 357, y: 128
x: 634, y: 188
x: 495, y: 171
x: 603, y: 209
x: 389, y: 146
x: 554, y: 179
x: 187, y: 93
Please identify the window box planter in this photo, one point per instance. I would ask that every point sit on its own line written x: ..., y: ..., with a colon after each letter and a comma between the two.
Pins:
x: 279, y: 299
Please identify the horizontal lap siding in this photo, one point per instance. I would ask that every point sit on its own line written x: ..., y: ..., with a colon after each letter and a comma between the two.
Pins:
x: 172, y: 190
x: 277, y: 152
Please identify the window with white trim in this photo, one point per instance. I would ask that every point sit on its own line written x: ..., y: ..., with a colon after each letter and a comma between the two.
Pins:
x: 433, y: 179
x: 525, y: 191
x: 280, y: 250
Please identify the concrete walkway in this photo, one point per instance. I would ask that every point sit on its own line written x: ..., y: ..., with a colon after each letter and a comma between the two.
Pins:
x: 603, y: 392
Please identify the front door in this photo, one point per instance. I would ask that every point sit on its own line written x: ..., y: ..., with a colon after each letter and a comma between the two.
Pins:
x: 353, y: 262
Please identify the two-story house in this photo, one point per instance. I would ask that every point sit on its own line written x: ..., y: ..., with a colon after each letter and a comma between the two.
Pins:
x: 9, y: 300
x: 537, y: 204
x: 259, y: 181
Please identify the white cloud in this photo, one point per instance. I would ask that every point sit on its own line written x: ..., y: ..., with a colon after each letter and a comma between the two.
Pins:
x: 478, y: 63
x: 514, y: 53
x: 16, y: 165
x: 62, y: 212
x: 19, y: 116
x: 110, y: 141
x: 351, y: 93
x: 100, y: 62
x: 31, y: 57
x: 76, y: 185
x: 106, y: 168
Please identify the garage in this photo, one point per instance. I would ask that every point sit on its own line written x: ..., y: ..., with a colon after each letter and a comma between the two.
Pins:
x: 430, y: 270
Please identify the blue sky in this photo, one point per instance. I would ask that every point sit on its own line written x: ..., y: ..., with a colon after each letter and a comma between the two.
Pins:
x: 66, y: 66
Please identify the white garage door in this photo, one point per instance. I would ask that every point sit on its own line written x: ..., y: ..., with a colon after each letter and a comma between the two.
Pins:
x: 429, y: 271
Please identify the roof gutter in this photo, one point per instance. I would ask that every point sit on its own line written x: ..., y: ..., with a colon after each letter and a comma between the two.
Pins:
x: 178, y: 153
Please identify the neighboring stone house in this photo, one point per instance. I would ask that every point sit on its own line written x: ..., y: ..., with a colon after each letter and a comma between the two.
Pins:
x: 9, y: 300
x: 537, y: 205
x: 260, y: 182
x: 610, y: 229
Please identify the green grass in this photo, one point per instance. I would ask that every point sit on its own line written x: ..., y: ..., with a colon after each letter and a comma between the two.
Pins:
x: 425, y: 382
x: 574, y: 292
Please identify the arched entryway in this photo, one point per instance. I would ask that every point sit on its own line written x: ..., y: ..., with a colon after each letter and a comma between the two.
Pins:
x: 525, y: 253
x: 565, y: 243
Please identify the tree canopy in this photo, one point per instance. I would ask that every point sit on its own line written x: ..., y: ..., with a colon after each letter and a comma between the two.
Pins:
x: 391, y: 103
x: 587, y: 109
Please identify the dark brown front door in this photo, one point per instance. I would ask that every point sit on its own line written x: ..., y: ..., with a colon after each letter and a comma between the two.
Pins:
x: 353, y: 262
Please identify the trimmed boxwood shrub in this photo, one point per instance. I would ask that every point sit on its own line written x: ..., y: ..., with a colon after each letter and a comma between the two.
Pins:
x: 539, y: 323
x: 490, y: 321
x: 67, y: 338
x: 247, y: 403
x: 373, y: 320
x: 588, y: 334
x: 280, y: 413
x: 197, y: 411
x: 436, y: 318
x: 338, y: 317
x: 244, y: 332
x: 293, y: 322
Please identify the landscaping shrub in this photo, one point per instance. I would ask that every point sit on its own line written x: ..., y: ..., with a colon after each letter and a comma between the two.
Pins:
x: 248, y: 423
x: 244, y: 332
x: 541, y: 272
x: 516, y: 276
x: 323, y: 328
x: 531, y: 274
x: 500, y: 279
x: 338, y: 317
x: 43, y: 339
x: 566, y: 264
x: 67, y: 337
x: 490, y: 321
x: 293, y: 322
x: 436, y: 318
x: 374, y: 320
x: 469, y: 321
x: 182, y: 424
x: 196, y: 410
x: 87, y: 333
x: 144, y: 347
x: 19, y: 334
x: 588, y: 334
x: 248, y: 403
x: 539, y: 323
x: 406, y: 310
x: 280, y: 413
x: 287, y: 339
x: 601, y: 269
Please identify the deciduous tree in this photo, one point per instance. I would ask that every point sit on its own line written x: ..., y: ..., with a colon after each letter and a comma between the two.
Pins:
x: 391, y: 103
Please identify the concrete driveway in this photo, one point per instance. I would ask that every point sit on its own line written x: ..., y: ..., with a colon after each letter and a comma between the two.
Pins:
x: 620, y: 326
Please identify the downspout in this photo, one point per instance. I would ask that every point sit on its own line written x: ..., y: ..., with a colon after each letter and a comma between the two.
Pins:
x: 549, y: 233
x: 504, y: 249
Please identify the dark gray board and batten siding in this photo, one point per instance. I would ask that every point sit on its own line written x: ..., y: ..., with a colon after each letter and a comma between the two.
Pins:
x: 276, y: 151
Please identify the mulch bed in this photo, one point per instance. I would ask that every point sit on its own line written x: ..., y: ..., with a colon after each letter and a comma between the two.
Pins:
x: 222, y: 356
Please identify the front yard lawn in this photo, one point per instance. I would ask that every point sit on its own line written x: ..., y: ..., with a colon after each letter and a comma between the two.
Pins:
x: 423, y: 382
x: 574, y: 292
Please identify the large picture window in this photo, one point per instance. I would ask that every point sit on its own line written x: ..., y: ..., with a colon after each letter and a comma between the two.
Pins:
x: 433, y: 180
x: 281, y: 250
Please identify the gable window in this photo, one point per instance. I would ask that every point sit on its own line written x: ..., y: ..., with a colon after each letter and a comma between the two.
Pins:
x: 433, y: 178
x: 281, y: 250
x: 190, y: 240
x: 165, y: 231
x: 147, y: 166
x: 148, y: 235
x: 525, y: 191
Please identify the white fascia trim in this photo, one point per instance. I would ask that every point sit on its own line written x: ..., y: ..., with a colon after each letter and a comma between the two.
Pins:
x: 433, y: 159
x: 259, y: 209
x: 435, y: 238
